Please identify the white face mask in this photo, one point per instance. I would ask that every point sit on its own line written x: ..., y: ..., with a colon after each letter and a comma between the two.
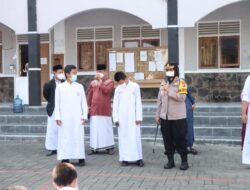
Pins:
x: 61, y: 76
x: 101, y: 75
x: 170, y: 73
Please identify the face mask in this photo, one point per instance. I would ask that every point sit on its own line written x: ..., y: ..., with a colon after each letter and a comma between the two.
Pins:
x: 74, y: 78
x: 61, y: 76
x: 170, y: 73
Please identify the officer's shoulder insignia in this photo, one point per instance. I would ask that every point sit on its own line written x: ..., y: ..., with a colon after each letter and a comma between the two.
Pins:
x: 182, y: 89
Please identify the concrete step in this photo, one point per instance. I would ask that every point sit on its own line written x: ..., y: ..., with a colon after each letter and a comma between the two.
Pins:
x: 33, y: 109
x: 217, y: 123
x: 23, y: 119
x: 206, y: 120
x: 41, y: 119
x: 148, y: 132
x: 148, y: 107
x: 41, y: 129
x: 148, y: 138
x: 225, y: 121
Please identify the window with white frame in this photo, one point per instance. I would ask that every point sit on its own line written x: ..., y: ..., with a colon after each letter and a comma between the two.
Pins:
x: 219, y: 44
x: 1, y: 53
x: 92, y: 45
x: 140, y: 36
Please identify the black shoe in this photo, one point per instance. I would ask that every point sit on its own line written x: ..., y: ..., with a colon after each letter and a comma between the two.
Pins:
x: 140, y: 163
x: 124, y: 163
x: 193, y: 151
x: 65, y: 161
x: 91, y: 152
x: 111, y: 151
x: 184, y: 162
x: 170, y: 163
x: 81, y: 162
x: 51, y: 153
x: 184, y: 166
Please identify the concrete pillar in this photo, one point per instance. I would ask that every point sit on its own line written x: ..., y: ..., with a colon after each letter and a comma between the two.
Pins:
x: 34, y: 56
x: 173, y: 34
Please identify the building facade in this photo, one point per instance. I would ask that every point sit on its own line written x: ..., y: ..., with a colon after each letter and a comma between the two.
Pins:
x: 214, y: 48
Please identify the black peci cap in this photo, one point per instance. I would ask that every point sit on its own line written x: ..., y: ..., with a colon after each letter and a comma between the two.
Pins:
x: 101, y: 67
x: 57, y: 67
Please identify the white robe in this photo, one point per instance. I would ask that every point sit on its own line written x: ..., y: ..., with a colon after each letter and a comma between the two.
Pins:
x: 51, y: 133
x: 127, y: 109
x: 246, y: 147
x: 101, y: 132
x: 52, y: 130
x: 70, y: 107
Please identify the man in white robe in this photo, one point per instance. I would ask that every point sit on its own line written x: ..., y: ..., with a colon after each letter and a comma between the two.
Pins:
x: 245, y: 96
x: 71, y: 112
x: 127, y: 116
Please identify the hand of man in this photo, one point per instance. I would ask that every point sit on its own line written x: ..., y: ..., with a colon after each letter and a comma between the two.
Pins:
x: 138, y: 122
x: 116, y: 124
x: 244, y: 118
x: 166, y: 87
x: 59, y: 122
x: 157, y: 120
x: 83, y: 121
x: 193, y: 107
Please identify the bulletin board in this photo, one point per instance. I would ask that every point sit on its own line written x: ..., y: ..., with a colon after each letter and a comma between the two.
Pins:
x: 143, y: 65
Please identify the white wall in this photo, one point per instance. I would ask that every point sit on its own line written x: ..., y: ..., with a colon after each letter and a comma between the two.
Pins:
x: 239, y: 11
x: 152, y: 11
x: 190, y: 11
x: 59, y: 38
x: 9, y: 49
x: 13, y: 13
x: 95, y: 18
x: 191, y: 49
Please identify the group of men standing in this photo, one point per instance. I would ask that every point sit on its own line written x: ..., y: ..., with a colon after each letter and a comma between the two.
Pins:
x: 68, y: 110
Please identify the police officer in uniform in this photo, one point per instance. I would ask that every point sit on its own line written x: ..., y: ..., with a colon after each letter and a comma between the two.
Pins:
x: 171, y: 115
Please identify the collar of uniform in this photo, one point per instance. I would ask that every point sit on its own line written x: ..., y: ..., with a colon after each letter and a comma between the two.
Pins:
x: 67, y: 82
x: 176, y: 81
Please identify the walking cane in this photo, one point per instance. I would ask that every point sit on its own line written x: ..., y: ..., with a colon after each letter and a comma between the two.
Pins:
x: 156, y: 136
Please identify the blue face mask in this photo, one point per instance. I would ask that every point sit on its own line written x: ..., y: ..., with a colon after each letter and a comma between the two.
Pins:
x: 74, y: 78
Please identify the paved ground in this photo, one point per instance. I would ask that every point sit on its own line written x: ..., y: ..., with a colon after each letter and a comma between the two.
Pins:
x: 217, y: 167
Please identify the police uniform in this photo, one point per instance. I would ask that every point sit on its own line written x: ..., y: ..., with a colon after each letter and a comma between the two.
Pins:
x: 171, y: 109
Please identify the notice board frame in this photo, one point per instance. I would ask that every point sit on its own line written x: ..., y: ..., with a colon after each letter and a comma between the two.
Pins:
x: 152, y: 79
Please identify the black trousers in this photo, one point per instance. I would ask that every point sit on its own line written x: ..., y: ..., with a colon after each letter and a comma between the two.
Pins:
x: 174, y: 136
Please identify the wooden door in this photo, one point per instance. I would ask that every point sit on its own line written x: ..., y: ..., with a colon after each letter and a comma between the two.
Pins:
x: 44, y: 55
x: 58, y: 59
x: 102, y: 51
x: 85, y: 56
x: 1, y: 57
x: 24, y: 60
